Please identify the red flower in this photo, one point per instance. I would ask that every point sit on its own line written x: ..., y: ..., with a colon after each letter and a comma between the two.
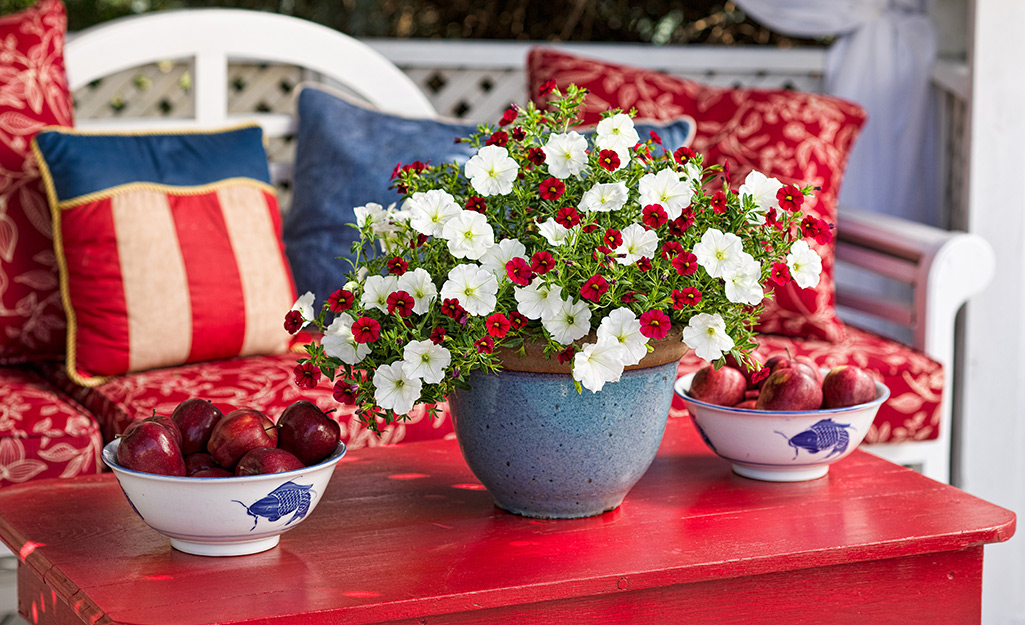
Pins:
x: 509, y: 116
x: 780, y: 273
x: 437, y: 335
x: 518, y: 320
x: 551, y: 189
x: 643, y: 152
x: 679, y: 226
x: 548, y: 87
x: 344, y: 393
x: 643, y: 264
x: 608, y: 159
x: 628, y: 297
x: 567, y: 216
x: 685, y: 263
x: 689, y: 296
x: 566, y: 355
x: 790, y: 198
x: 499, y: 138
x: 772, y: 219
x: 518, y: 133
x: 594, y: 288
x: 397, y: 266
x: 671, y: 249
x: 602, y: 255
x: 654, y: 137
x: 366, y: 330
x: 589, y: 228
x: 340, y: 301
x: 654, y: 216
x: 485, y: 345
x: 519, y: 271
x: 683, y: 155
x: 419, y: 240
x: 655, y: 324
x: 306, y: 375
x: 293, y: 321
x: 613, y: 238
x: 450, y: 307
x: 498, y: 325
x: 476, y: 204
x: 760, y: 375
x: 818, y: 229
x: 536, y: 156
x: 718, y: 203
x: 541, y: 263
x: 400, y: 302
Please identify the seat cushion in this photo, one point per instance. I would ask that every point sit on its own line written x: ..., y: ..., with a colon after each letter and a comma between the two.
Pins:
x: 42, y: 433
x: 266, y: 383
x: 798, y: 138
x: 915, y: 381
x: 33, y: 94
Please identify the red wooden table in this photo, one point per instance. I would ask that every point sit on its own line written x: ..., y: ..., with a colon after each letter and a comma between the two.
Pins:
x: 405, y: 534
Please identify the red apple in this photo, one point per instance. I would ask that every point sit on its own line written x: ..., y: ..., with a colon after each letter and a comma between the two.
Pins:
x: 196, y: 419
x: 199, y: 461
x: 847, y: 385
x: 166, y: 422
x: 790, y: 388
x: 724, y: 386
x: 150, y: 447
x: 238, y: 432
x: 214, y: 472
x: 748, y: 404
x: 803, y: 363
x: 267, y: 460
x: 308, y: 433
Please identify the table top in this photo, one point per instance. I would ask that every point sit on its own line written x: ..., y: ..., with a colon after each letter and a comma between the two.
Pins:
x: 407, y: 531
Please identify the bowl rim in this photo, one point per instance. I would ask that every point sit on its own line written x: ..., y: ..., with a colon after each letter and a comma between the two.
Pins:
x: 109, y: 455
x: 882, y: 394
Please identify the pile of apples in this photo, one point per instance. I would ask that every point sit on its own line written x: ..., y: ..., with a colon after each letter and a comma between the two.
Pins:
x: 198, y: 440
x: 793, y: 383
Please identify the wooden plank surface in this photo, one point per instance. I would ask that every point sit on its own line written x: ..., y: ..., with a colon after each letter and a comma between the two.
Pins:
x: 406, y: 532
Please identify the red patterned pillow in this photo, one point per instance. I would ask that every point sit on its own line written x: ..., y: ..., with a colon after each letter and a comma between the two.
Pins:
x: 169, y: 246
x: 33, y: 94
x: 799, y: 138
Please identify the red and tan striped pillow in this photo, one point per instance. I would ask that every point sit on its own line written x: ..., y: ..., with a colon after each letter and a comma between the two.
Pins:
x: 155, y: 271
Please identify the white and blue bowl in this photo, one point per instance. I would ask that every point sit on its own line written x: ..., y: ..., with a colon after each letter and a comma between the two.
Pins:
x: 781, y: 446
x: 224, y: 516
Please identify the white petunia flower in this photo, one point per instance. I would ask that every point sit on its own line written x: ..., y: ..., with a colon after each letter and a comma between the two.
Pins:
x: 719, y: 253
x: 667, y: 189
x: 554, y: 232
x: 763, y: 191
x: 473, y: 286
x: 420, y: 286
x: 429, y: 211
x: 567, y: 321
x: 395, y: 390
x: 376, y: 290
x: 565, y: 154
x: 339, y: 343
x: 492, y: 171
x: 691, y: 174
x: 425, y: 360
x: 604, y: 197
x: 623, y: 326
x: 598, y: 363
x: 497, y: 256
x: 371, y: 214
x: 706, y: 335
x: 637, y: 243
x: 616, y: 133
x: 305, y: 307
x: 805, y: 265
x: 537, y: 299
x: 469, y: 235
x: 744, y: 286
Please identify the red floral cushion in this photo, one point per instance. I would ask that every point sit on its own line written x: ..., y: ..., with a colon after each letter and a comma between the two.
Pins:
x: 799, y: 138
x: 41, y: 433
x: 265, y: 383
x: 915, y: 381
x: 33, y: 94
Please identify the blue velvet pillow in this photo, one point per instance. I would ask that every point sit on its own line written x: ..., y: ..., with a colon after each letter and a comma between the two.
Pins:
x: 345, y: 154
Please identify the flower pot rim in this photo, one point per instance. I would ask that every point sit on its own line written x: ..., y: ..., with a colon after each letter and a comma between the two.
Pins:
x: 533, y: 360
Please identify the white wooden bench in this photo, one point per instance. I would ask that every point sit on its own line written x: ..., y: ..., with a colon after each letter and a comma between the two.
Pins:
x: 941, y: 269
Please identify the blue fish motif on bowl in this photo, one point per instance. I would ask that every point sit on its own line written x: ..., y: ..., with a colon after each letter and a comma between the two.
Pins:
x: 823, y: 435
x: 285, y: 499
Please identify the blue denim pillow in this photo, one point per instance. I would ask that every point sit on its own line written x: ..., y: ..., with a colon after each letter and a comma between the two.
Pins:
x: 345, y: 154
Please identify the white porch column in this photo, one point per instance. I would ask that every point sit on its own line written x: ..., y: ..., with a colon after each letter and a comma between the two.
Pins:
x: 993, y: 430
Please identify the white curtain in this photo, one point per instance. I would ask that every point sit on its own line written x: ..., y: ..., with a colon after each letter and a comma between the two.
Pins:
x: 882, y: 59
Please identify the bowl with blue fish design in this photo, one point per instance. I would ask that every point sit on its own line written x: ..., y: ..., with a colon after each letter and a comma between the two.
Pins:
x: 224, y: 516
x: 781, y: 446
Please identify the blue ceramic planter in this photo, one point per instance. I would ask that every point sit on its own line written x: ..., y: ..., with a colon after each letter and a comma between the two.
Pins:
x: 543, y: 450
